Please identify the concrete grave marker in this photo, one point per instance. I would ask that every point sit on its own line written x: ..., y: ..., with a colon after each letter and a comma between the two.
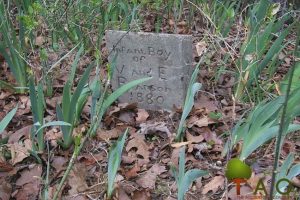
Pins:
x: 165, y: 57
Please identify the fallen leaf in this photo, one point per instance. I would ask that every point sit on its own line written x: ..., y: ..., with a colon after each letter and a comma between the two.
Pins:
x: 205, y: 102
x: 19, y: 152
x: 194, y: 139
x: 76, y: 179
x: 122, y: 194
x: 4, y: 165
x: 149, y: 178
x: 30, y: 183
x: 109, y: 134
x: 24, y: 106
x: 133, y: 172
x: 211, y: 136
x: 123, y: 107
x: 127, y: 117
x: 90, y: 159
x: 201, y: 47
x: 39, y: 40
x: 141, y: 195
x: 214, y: 185
x: 16, y: 136
x: 53, y: 101
x: 59, y: 163
x: 142, y: 147
x: 30, y: 175
x: 200, y: 122
x: 154, y: 128
x: 175, y: 156
x: 5, y: 190
x: 180, y: 144
x: 142, y: 115
x: 53, y: 135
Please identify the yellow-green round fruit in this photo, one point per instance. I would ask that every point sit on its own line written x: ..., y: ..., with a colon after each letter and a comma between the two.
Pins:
x: 237, y: 169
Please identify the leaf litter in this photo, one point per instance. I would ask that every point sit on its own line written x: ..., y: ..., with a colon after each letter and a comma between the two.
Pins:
x: 144, y: 172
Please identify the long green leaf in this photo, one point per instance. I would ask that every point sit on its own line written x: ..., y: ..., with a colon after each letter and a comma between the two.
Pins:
x: 120, y: 91
x: 53, y: 123
x: 7, y: 119
x: 261, y: 137
x: 78, y: 91
x: 34, y: 101
x: 75, y: 64
x: 189, y: 177
x: 114, y: 160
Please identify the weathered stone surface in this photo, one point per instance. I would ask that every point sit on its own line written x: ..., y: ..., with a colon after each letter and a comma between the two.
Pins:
x: 165, y: 57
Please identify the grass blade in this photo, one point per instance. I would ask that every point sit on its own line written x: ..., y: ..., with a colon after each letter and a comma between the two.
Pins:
x: 7, y: 119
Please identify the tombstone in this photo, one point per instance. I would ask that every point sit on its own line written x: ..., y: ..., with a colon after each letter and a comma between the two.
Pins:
x: 167, y: 58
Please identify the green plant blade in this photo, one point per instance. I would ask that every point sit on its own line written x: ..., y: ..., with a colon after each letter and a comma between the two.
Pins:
x: 181, y: 164
x: 78, y: 91
x: 189, y: 177
x: 262, y: 137
x: 53, y: 123
x: 120, y: 91
x: 75, y: 64
x: 65, y: 129
x: 114, y: 160
x: 34, y: 102
x: 174, y: 173
x: 4, y: 122
x: 187, y: 108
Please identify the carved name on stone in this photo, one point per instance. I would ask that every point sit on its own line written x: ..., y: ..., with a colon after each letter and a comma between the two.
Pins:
x: 167, y: 58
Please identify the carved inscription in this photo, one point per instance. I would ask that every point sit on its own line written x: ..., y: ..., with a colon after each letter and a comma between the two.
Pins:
x: 150, y: 55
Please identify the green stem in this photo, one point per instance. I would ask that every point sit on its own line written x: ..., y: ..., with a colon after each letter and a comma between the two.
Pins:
x: 70, y: 166
x: 94, y: 126
x: 282, y: 120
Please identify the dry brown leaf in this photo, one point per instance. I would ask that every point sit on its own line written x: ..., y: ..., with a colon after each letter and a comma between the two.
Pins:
x: 122, y: 194
x: 149, y: 178
x: 122, y: 107
x: 30, y: 175
x: 214, y: 185
x: 90, y: 159
x: 4, y: 165
x: 30, y: 183
x: 76, y: 197
x: 24, y: 106
x: 154, y: 128
x: 194, y: 139
x: 133, y: 172
x: 53, y: 101
x: 39, y: 40
x: 16, y: 136
x: 141, y: 195
x: 59, y: 163
x: 19, y: 152
x: 211, y: 136
x: 142, y: 115
x: 127, y: 116
x: 201, y: 47
x: 5, y: 190
x: 109, y: 134
x: 53, y: 135
x: 205, y: 102
x: 180, y: 144
x: 76, y: 179
x: 142, y: 147
x: 175, y: 156
x: 200, y: 122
